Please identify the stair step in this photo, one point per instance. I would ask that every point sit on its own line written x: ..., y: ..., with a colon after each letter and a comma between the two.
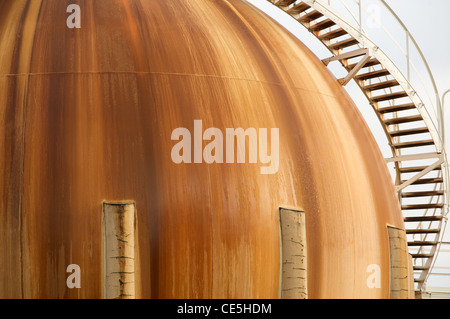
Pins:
x: 332, y: 34
x: 397, y: 108
x: 298, y: 8
x: 372, y: 75
x: 311, y: 16
x: 418, y: 219
x: 422, y: 206
x: 413, y: 144
x: 421, y: 267
x: 419, y: 130
x: 343, y: 44
x: 422, y: 255
x: 390, y: 96
x: 421, y: 243
x: 428, y: 181
x: 381, y: 85
x: 284, y: 3
x: 422, y: 231
x: 371, y: 62
x: 416, y: 169
x: 422, y: 194
x: 401, y: 120
x: 322, y: 25
x: 419, y: 280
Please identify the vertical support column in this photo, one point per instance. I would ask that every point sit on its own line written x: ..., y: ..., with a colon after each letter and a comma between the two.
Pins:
x: 408, y: 59
x: 360, y: 15
x: 293, y: 254
x: 399, y: 264
x: 119, y: 230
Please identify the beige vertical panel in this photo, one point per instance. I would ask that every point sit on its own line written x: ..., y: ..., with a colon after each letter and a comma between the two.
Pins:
x: 399, y: 264
x: 119, y: 234
x: 412, y: 294
x: 293, y: 254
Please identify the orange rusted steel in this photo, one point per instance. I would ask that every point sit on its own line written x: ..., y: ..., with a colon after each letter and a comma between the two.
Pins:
x: 86, y: 115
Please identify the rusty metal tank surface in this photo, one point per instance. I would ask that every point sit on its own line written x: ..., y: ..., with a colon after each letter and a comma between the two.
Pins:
x: 87, y: 115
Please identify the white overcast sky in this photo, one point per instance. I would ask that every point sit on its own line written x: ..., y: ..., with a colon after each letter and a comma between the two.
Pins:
x: 429, y: 23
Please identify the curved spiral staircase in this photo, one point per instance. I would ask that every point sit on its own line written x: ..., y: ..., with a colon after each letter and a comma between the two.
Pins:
x: 416, y: 144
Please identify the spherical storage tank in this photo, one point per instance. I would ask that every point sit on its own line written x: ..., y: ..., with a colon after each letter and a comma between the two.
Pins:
x: 136, y: 105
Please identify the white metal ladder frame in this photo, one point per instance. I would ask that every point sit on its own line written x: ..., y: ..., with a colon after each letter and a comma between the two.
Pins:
x: 370, y: 49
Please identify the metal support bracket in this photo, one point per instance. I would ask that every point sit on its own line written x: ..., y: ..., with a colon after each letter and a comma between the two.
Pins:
x: 360, y: 52
x: 410, y: 181
x: 348, y: 55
